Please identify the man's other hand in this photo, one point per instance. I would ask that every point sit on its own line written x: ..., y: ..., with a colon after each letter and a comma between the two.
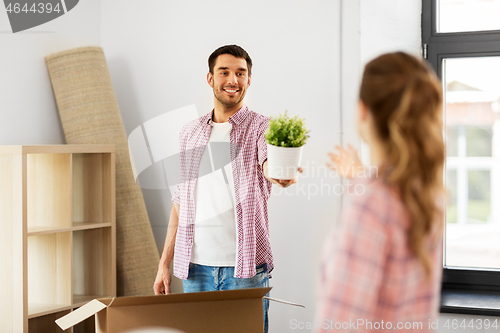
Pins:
x: 163, y: 279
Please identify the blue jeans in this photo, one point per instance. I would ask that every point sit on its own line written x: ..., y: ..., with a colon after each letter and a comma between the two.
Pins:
x: 210, y: 278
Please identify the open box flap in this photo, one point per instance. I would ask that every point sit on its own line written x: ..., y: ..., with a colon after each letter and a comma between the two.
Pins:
x: 202, y: 296
x: 80, y: 314
x: 284, y: 302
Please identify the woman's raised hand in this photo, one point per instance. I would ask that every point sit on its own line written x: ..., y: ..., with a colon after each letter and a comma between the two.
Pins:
x: 346, y: 162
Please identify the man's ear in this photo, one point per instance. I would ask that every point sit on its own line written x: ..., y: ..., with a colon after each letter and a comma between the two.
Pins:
x: 249, y: 79
x: 210, y: 79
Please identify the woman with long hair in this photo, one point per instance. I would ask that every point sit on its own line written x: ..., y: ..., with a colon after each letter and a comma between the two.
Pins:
x: 382, y: 265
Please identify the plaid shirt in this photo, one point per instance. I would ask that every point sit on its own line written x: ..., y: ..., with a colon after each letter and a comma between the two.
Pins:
x: 368, y: 272
x: 251, y: 190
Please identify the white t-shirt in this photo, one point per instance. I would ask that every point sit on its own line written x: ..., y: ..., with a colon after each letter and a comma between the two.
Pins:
x: 215, y: 223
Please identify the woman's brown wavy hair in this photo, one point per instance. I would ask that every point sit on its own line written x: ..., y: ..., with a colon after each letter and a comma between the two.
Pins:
x: 404, y: 97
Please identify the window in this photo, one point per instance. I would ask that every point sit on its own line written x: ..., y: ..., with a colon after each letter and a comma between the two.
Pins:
x: 461, y: 41
x: 468, y: 15
x: 471, y: 95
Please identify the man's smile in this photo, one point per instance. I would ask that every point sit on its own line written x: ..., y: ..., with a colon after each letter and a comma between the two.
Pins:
x: 230, y: 90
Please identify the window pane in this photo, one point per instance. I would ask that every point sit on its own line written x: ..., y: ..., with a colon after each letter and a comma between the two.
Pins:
x: 451, y: 202
x: 451, y: 141
x: 479, y: 196
x: 479, y: 141
x: 468, y: 15
x: 472, y: 120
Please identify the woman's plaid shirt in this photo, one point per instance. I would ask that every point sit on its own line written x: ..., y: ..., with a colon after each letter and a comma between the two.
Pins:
x: 369, y: 274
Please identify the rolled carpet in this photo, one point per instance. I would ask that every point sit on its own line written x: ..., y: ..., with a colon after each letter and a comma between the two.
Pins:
x: 90, y: 115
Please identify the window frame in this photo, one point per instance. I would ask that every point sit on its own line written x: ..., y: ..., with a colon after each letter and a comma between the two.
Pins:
x: 437, y: 46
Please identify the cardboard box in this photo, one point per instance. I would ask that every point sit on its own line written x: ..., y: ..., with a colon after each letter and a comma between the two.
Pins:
x: 202, y: 312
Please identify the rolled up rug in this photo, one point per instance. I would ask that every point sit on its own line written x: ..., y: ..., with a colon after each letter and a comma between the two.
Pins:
x: 90, y: 115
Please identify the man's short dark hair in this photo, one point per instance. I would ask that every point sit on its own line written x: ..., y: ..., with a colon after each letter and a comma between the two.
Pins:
x: 233, y: 50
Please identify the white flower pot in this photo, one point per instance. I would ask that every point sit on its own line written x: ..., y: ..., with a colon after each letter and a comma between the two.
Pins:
x: 283, y: 162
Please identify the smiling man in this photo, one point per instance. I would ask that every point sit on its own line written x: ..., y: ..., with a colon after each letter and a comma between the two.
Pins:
x: 229, y: 77
x: 218, y: 235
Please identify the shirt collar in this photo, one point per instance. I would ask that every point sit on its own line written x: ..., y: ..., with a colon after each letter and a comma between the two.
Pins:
x: 240, y: 115
x: 207, y: 119
x: 235, y: 119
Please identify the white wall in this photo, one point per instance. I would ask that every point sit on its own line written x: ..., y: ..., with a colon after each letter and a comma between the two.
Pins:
x: 28, y: 113
x: 157, y: 53
x: 371, y: 28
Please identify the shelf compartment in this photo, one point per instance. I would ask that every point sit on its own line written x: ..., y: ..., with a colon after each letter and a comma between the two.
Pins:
x: 49, y: 272
x: 93, y: 272
x: 46, y: 323
x: 92, y: 195
x: 48, y: 190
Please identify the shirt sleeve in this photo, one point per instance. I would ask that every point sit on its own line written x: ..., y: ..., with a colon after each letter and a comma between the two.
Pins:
x: 352, y: 267
x: 261, y: 142
x: 176, y: 198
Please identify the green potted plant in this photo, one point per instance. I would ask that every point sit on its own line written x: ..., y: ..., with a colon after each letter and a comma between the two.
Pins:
x: 285, y: 138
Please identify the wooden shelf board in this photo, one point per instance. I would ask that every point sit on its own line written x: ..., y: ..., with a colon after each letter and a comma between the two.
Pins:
x: 79, y: 300
x: 68, y: 149
x: 57, y: 149
x: 11, y: 150
x: 38, y: 310
x: 90, y: 225
x: 33, y: 231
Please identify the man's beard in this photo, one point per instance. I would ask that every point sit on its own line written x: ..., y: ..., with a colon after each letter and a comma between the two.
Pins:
x: 226, y: 103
